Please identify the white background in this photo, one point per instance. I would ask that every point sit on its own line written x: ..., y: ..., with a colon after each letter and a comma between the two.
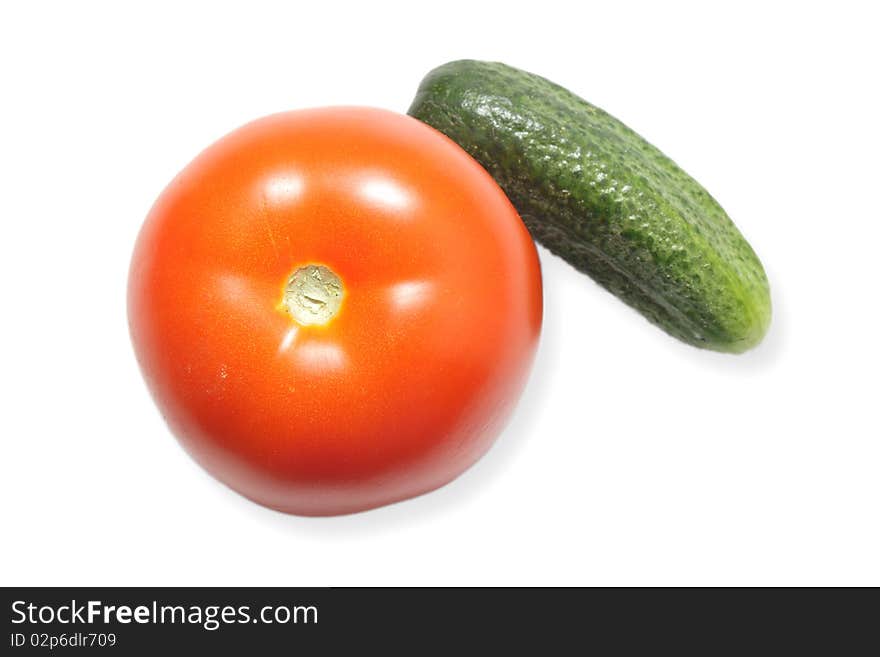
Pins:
x: 632, y: 459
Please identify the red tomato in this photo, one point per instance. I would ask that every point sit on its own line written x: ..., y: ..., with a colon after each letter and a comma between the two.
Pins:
x: 334, y: 309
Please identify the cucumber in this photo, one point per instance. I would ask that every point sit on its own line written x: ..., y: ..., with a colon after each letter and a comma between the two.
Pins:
x: 597, y: 194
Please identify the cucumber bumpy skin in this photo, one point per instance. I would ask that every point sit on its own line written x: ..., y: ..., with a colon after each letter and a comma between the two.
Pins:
x: 597, y: 194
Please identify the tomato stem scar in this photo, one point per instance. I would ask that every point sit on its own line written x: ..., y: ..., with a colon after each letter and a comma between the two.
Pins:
x: 313, y: 295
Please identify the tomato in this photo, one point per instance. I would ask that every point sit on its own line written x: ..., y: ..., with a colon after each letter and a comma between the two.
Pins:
x: 334, y: 309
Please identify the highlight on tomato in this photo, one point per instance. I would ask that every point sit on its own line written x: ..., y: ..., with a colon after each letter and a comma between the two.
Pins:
x: 334, y: 309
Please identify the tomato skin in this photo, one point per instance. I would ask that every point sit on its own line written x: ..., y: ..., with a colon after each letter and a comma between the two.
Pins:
x: 409, y: 384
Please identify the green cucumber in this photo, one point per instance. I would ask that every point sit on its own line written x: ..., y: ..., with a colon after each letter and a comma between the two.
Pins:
x: 597, y: 194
